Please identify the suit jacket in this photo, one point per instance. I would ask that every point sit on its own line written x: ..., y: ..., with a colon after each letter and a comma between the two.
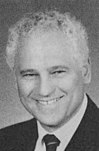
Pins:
x: 23, y: 136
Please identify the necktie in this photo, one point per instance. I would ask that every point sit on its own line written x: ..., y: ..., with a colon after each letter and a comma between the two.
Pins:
x: 51, y: 142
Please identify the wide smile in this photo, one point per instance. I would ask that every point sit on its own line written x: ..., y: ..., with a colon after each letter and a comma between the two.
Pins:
x: 50, y: 101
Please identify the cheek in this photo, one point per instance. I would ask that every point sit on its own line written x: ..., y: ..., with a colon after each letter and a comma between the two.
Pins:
x: 68, y: 83
x: 25, y: 87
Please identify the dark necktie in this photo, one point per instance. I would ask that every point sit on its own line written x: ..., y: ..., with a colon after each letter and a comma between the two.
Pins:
x: 51, y: 142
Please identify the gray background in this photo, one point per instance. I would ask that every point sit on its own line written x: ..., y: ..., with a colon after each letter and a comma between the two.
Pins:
x: 11, y: 110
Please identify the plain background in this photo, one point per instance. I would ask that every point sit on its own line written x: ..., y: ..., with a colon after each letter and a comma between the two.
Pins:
x: 11, y: 110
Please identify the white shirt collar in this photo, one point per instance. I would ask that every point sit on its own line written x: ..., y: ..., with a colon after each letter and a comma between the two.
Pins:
x: 65, y: 133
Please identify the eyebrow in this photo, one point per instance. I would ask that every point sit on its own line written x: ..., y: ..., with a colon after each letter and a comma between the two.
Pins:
x: 59, y: 67
x: 49, y: 69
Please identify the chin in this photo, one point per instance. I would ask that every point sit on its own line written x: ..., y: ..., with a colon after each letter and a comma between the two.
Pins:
x: 51, y: 124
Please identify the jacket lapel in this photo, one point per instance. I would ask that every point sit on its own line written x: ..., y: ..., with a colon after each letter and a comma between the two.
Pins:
x: 85, y: 137
x: 32, y: 139
x: 27, y: 138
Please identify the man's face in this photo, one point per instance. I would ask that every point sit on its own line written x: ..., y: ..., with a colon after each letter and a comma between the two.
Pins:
x: 50, y: 82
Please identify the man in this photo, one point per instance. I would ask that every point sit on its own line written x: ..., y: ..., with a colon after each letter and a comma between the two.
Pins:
x: 49, y: 54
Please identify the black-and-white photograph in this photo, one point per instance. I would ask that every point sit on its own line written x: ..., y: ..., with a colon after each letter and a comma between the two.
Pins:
x: 49, y: 75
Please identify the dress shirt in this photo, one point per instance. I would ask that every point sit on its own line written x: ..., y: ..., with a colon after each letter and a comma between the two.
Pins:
x: 66, y: 132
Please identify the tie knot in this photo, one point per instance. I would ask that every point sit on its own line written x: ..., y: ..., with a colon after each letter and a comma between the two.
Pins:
x: 51, y: 141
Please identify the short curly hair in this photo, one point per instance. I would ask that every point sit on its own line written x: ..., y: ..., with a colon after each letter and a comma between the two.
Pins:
x: 45, y: 21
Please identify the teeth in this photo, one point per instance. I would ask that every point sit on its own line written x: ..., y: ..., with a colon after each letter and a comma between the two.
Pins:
x: 48, y: 102
x: 45, y: 102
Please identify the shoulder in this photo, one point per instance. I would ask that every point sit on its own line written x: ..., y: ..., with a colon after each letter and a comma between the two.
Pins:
x: 19, y: 126
x: 90, y: 122
x: 18, y: 133
x: 92, y: 110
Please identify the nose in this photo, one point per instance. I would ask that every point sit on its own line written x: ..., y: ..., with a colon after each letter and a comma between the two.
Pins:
x: 46, y: 87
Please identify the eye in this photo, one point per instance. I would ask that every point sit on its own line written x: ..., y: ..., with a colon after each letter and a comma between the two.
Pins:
x: 58, y: 73
x: 30, y: 75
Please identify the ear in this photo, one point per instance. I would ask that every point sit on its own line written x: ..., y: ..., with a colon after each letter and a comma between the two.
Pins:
x: 86, y: 71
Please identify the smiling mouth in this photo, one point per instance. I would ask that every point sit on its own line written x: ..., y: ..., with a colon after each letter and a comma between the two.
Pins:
x: 51, y: 101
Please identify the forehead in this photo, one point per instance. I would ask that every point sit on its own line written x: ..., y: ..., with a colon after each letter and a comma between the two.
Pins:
x: 50, y: 48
